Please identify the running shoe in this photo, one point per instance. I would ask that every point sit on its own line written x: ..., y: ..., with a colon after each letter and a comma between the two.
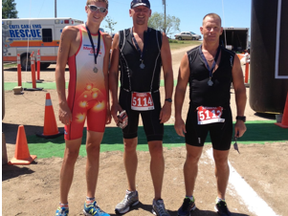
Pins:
x: 158, y: 208
x: 187, y: 206
x: 62, y: 211
x: 221, y: 209
x: 93, y: 210
x: 130, y: 199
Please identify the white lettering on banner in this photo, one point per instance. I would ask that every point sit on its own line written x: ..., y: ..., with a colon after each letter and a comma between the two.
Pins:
x: 142, y: 101
x: 208, y: 115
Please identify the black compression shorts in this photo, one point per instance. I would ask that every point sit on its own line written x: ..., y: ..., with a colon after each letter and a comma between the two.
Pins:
x: 220, y: 133
x: 153, y: 128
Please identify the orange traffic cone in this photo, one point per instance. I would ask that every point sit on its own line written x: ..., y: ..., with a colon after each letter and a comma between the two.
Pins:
x: 284, y: 122
x: 22, y: 155
x: 50, y: 127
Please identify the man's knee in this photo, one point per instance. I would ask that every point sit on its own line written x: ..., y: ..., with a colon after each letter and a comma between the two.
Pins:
x: 221, y: 160
x: 130, y: 145
x: 156, y: 149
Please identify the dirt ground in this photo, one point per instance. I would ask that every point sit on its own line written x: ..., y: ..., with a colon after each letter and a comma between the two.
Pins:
x: 34, y: 189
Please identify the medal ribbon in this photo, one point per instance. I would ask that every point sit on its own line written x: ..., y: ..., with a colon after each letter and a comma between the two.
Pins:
x: 92, y: 43
x: 137, y: 46
x: 206, y: 63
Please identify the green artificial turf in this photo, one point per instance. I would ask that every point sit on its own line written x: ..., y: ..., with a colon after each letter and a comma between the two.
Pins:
x: 257, y: 132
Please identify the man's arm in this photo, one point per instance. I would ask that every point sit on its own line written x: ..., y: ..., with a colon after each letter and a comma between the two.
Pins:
x: 240, y: 95
x: 183, y: 78
x: 168, y: 78
x: 68, y: 35
x: 107, y: 41
x: 113, y: 78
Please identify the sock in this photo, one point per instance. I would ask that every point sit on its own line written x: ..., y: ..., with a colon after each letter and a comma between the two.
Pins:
x: 219, y: 200
x: 90, y: 200
x: 128, y: 191
x: 63, y: 205
x: 191, y: 198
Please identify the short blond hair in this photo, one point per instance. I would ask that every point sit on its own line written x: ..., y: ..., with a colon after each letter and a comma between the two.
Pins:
x: 89, y: 1
x: 212, y: 15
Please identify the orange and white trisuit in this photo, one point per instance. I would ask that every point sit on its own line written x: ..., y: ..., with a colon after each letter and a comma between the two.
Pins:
x: 86, y: 91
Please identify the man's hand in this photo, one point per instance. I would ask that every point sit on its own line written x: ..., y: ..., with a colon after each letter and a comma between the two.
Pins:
x: 65, y: 115
x: 240, y: 128
x: 165, y: 112
x: 115, y: 108
x: 179, y: 126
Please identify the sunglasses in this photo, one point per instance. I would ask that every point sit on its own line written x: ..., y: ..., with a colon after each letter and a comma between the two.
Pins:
x: 95, y: 8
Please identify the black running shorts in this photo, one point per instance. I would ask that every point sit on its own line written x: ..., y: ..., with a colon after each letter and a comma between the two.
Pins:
x: 220, y: 133
x: 153, y: 128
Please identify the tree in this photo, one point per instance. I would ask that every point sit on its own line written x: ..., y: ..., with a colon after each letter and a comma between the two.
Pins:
x: 156, y: 21
x: 9, y: 9
x: 110, y: 24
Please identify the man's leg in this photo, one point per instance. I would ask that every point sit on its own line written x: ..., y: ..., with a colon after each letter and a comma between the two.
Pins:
x: 131, y: 161
x: 67, y: 169
x: 92, y: 165
x: 156, y: 166
x: 221, y: 171
x: 191, y: 167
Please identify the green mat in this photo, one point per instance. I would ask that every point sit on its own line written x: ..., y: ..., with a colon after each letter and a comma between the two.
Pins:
x: 257, y: 132
x: 46, y: 85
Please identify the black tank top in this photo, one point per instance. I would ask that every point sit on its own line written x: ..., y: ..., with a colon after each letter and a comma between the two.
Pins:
x: 201, y: 94
x: 132, y: 77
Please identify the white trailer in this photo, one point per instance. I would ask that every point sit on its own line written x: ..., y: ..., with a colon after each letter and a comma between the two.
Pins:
x: 23, y: 36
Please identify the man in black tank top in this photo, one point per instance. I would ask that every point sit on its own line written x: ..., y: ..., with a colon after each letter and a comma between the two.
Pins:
x: 138, y: 53
x: 209, y: 69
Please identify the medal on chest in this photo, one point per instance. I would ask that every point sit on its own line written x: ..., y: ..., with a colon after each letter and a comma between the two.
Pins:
x: 210, y: 82
x: 95, y: 69
x: 141, y: 65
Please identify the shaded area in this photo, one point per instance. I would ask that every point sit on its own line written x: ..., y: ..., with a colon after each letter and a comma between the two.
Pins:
x: 9, y: 171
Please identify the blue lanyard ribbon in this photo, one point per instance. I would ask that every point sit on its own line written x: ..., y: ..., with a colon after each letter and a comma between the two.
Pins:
x: 92, y: 43
x: 206, y: 63
x: 137, y: 46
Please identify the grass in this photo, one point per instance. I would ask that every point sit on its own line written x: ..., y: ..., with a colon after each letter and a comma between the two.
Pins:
x: 9, y: 65
x: 177, y: 44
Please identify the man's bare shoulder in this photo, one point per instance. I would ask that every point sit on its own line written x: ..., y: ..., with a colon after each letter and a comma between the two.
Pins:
x: 70, y: 31
x: 107, y: 37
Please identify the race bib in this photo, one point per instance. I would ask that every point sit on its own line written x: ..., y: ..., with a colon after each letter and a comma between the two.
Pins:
x: 142, y: 101
x: 208, y: 115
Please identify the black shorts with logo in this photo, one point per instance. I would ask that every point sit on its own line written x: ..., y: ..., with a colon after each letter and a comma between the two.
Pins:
x: 153, y: 128
x: 220, y: 133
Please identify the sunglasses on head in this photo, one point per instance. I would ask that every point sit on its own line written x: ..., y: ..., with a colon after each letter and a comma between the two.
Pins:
x: 95, y: 8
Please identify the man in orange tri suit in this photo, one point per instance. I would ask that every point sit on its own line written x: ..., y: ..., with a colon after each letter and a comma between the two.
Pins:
x: 86, y: 49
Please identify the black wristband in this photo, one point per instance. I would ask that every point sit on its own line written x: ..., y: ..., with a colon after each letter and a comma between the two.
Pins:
x: 241, y: 118
x: 169, y: 100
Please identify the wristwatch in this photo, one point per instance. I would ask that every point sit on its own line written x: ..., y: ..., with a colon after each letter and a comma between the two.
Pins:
x: 241, y: 118
x: 169, y: 100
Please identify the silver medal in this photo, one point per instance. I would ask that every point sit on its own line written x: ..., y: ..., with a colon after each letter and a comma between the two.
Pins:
x: 95, y: 69
x: 142, y: 65
x: 210, y: 82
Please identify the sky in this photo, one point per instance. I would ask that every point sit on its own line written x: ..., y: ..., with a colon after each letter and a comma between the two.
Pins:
x: 234, y: 13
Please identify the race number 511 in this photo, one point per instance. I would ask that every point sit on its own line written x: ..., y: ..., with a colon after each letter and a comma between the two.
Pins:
x: 208, y: 115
